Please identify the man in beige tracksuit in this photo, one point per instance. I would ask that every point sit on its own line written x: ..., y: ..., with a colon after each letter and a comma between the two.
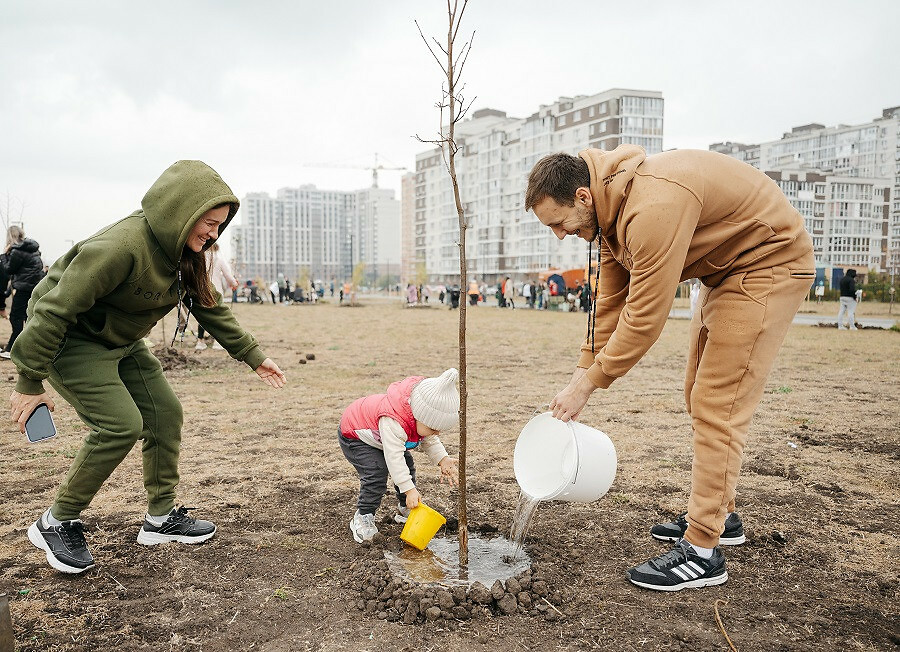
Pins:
x: 660, y: 220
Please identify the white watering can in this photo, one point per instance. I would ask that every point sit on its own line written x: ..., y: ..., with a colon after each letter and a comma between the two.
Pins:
x: 569, y: 461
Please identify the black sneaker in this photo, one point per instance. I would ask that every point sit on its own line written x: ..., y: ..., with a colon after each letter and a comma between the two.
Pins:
x: 64, y: 544
x: 680, y: 568
x: 732, y: 536
x: 178, y: 527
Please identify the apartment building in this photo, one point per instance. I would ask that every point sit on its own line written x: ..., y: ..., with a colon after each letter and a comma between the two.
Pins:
x: 847, y: 217
x: 323, y: 233
x: 864, y: 161
x: 496, y: 154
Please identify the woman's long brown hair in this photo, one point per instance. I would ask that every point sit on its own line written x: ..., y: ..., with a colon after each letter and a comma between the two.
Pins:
x: 195, y: 276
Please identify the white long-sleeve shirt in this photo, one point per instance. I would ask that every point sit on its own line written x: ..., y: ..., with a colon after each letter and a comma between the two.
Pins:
x: 392, y: 440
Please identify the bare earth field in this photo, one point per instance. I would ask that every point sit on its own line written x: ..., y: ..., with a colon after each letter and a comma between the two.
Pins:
x: 818, y: 497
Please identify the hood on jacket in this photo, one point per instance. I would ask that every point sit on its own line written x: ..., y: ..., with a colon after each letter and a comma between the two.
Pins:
x: 611, y: 172
x: 28, y: 246
x: 174, y: 203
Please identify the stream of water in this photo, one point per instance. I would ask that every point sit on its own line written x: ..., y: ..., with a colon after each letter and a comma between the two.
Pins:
x: 526, y: 507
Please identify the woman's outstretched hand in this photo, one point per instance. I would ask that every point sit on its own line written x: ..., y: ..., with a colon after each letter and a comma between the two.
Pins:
x: 271, y: 374
x: 22, y: 405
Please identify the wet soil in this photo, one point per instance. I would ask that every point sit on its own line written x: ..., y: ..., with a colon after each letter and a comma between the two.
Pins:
x: 818, y: 496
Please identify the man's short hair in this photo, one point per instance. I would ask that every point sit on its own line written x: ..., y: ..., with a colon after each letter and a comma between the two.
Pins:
x: 558, y: 176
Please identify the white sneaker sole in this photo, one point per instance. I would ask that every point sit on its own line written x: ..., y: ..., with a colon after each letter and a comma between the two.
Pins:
x: 37, y: 539
x: 399, y: 518
x: 698, y: 583
x: 733, y: 541
x: 154, y: 538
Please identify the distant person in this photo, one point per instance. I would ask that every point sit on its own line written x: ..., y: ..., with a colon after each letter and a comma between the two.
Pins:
x: 222, y: 280
x: 586, y: 297
x: 22, y: 268
x: 820, y: 292
x: 378, y: 433
x: 331, y: 288
x: 473, y: 292
x: 509, y: 294
x: 273, y: 291
x: 412, y: 297
x: 859, y: 295
x: 545, y: 297
x: 695, y: 295
x: 88, y: 319
x: 526, y: 293
x: 280, y: 282
x: 659, y: 220
x: 848, y: 300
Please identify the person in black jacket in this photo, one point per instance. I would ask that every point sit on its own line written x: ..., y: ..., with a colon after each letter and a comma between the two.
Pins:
x: 848, y: 300
x: 22, y: 265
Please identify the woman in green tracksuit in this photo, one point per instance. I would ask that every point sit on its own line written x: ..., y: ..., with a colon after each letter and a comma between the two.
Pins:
x: 87, y: 321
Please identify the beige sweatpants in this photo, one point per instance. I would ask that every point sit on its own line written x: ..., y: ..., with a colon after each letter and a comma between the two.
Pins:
x: 735, y: 336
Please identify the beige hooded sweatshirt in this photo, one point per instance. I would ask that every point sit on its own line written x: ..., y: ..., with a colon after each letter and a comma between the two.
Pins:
x: 667, y: 218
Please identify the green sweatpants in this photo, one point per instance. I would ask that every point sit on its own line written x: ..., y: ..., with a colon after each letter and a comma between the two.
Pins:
x: 122, y: 396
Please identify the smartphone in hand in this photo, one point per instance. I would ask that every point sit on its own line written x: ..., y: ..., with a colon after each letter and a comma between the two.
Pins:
x: 40, y: 424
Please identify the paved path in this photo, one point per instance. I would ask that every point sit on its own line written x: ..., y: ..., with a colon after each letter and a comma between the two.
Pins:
x: 684, y: 313
x: 812, y: 320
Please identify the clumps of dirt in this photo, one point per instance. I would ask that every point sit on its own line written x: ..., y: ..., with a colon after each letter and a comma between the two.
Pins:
x: 827, y: 324
x: 172, y: 359
x: 384, y: 596
x: 306, y: 357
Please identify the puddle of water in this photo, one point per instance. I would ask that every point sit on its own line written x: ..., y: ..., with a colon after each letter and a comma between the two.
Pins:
x: 526, y: 508
x: 489, y: 560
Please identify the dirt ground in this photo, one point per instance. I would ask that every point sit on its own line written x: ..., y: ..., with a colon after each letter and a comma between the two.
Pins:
x: 818, y: 496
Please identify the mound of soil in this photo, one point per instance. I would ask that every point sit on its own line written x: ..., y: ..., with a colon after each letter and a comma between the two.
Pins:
x: 384, y: 596
x: 172, y: 359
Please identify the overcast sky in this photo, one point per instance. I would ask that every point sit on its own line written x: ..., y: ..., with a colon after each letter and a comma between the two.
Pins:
x: 97, y: 98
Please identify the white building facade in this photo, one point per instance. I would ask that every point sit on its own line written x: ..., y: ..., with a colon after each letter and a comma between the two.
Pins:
x: 322, y: 232
x: 859, y: 171
x: 496, y: 154
x: 846, y: 216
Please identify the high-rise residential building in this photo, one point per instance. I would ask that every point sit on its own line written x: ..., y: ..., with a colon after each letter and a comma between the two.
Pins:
x: 845, y: 215
x: 322, y: 233
x: 859, y: 167
x: 496, y: 154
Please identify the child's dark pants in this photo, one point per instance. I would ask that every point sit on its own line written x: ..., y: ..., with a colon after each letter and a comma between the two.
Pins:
x: 369, y: 462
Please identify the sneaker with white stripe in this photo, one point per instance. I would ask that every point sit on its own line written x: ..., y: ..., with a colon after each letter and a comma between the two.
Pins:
x: 680, y: 568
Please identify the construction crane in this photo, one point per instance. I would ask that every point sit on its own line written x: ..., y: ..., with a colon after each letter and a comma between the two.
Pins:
x: 374, y: 168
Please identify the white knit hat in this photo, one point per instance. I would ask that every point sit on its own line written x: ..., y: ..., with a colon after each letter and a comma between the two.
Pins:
x: 435, y: 401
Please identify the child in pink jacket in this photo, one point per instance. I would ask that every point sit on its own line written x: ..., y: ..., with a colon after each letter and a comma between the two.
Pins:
x: 378, y: 432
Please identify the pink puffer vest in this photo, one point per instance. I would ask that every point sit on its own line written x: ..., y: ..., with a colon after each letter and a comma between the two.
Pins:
x: 364, y: 413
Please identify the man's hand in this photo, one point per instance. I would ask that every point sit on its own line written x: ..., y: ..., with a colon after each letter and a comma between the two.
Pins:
x: 569, y: 403
x: 271, y: 374
x: 449, y: 471
x: 413, y: 498
x: 22, y: 405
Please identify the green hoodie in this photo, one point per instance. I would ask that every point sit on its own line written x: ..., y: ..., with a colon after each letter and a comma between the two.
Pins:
x: 113, y: 287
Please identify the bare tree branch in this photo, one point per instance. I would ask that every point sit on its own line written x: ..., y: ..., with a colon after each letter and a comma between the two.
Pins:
x: 467, y: 47
x: 425, y: 40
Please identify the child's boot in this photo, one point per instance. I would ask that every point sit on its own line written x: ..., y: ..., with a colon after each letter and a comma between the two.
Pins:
x: 363, y: 527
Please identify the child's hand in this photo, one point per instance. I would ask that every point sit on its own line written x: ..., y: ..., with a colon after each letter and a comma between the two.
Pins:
x: 413, y: 498
x: 449, y: 471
